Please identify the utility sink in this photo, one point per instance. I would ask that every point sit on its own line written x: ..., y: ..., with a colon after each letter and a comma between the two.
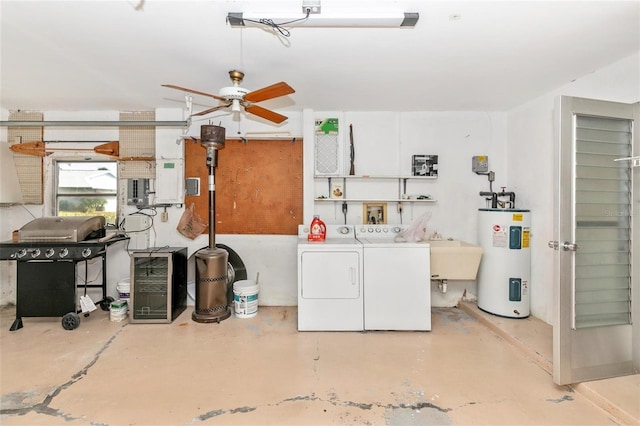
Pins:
x: 454, y: 260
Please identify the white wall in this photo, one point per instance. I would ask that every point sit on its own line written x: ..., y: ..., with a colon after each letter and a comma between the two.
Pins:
x: 384, y: 144
x: 530, y: 162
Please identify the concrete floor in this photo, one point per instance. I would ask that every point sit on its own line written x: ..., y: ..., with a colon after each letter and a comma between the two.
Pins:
x: 471, y: 369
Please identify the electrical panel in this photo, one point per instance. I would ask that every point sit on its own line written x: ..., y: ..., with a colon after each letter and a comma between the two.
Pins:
x: 480, y: 164
x: 138, y: 192
x: 169, y: 181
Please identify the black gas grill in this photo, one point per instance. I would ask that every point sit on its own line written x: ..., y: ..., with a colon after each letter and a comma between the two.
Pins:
x: 47, y: 251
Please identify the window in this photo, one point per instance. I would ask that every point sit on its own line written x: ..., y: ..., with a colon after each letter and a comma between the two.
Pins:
x: 87, y: 189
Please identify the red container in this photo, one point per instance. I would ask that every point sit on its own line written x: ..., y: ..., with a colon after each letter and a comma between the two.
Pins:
x: 318, y: 230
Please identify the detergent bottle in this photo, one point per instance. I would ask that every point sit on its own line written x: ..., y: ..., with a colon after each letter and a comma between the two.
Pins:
x: 318, y: 229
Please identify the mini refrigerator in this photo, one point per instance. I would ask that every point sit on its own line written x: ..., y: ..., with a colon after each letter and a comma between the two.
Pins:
x: 158, y: 284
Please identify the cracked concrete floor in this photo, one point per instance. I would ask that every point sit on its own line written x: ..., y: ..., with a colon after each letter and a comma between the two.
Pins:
x: 262, y: 371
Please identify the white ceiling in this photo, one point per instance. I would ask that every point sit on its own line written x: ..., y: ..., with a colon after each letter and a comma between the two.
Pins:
x: 462, y: 55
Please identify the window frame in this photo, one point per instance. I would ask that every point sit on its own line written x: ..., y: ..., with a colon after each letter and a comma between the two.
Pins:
x: 56, y: 195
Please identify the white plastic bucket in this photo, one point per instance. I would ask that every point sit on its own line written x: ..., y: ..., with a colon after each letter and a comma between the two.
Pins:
x: 191, y: 292
x: 118, y: 310
x: 124, y: 290
x: 245, y: 298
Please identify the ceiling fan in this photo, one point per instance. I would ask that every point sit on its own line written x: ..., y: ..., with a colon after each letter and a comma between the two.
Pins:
x: 236, y: 96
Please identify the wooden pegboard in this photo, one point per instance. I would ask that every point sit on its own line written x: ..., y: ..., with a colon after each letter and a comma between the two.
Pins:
x: 258, y: 186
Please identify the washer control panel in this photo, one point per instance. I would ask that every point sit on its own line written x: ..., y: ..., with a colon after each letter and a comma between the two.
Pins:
x: 333, y: 231
x: 379, y: 231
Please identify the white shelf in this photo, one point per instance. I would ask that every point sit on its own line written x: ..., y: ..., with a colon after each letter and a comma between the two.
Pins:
x: 369, y: 200
x: 374, y: 177
x: 398, y: 198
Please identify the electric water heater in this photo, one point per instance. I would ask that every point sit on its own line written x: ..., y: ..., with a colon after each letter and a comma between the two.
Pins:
x: 504, y: 277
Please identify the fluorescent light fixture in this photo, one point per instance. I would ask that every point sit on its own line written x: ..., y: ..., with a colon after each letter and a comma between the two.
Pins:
x: 359, y: 19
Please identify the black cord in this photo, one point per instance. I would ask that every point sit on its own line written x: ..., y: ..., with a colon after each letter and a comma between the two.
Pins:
x: 86, y: 275
x: 139, y: 212
x: 277, y: 26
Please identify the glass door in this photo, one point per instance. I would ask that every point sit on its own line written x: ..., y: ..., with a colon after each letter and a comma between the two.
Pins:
x: 150, y: 287
x: 594, y: 331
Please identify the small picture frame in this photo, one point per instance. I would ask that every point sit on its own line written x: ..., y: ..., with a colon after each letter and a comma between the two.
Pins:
x: 374, y: 213
x: 337, y: 190
x: 424, y: 165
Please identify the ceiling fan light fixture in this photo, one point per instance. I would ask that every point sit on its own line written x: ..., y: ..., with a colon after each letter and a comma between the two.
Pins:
x: 237, y: 97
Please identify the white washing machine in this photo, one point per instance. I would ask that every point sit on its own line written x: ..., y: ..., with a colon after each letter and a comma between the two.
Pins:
x: 330, y: 294
x: 397, y: 280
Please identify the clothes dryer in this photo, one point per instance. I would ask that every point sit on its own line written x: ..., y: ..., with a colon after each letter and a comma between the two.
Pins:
x: 330, y: 293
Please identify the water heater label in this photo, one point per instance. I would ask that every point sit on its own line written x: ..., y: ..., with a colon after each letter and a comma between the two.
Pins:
x: 517, y: 217
x: 500, y: 236
x: 525, y: 237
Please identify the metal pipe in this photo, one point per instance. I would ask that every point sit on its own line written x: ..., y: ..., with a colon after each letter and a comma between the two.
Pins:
x: 512, y: 197
x: 211, y: 159
x: 494, y: 198
x: 94, y: 123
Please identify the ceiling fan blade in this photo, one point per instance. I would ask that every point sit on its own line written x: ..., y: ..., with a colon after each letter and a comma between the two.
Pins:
x: 207, y: 111
x: 269, y: 92
x: 184, y: 89
x: 265, y: 113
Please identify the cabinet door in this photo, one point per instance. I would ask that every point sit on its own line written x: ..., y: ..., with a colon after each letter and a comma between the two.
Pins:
x: 330, y: 275
x: 46, y: 288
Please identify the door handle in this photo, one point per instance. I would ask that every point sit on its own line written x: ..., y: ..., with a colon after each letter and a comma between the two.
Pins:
x: 567, y: 246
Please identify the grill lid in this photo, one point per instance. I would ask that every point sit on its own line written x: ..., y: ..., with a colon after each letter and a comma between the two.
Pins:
x: 63, y: 229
